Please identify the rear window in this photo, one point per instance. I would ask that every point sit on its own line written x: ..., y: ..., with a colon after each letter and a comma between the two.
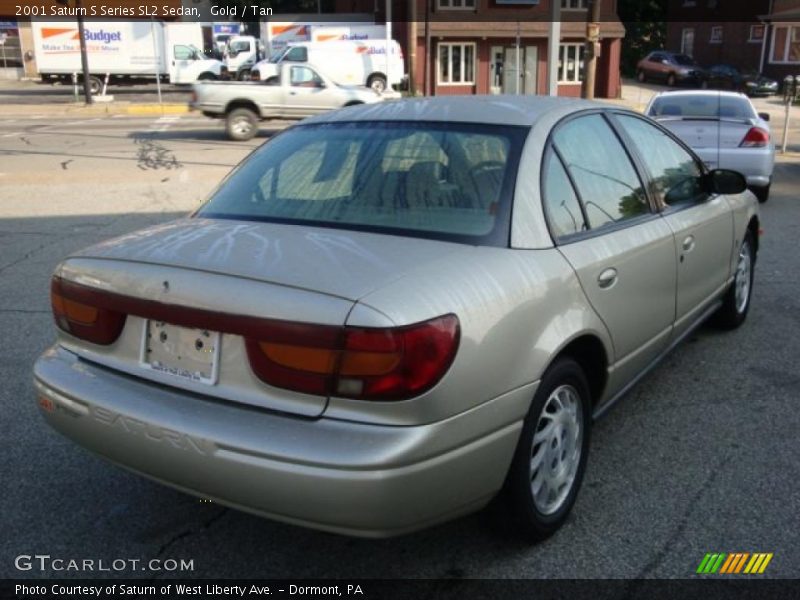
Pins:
x: 702, y: 106
x: 682, y: 59
x: 449, y: 181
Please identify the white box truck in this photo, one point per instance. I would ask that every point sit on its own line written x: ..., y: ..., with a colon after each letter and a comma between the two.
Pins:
x: 123, y: 50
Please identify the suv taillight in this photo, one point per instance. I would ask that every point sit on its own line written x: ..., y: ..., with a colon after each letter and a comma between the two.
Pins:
x: 755, y: 138
x: 369, y: 364
x: 77, y: 311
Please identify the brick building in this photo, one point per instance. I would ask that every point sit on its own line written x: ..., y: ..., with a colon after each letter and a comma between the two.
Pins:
x: 762, y: 35
x: 501, y: 46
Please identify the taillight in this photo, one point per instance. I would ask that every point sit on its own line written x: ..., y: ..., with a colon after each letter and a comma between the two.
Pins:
x: 351, y: 362
x: 755, y: 138
x: 76, y: 310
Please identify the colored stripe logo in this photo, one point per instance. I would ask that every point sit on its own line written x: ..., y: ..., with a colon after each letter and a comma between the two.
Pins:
x: 734, y: 563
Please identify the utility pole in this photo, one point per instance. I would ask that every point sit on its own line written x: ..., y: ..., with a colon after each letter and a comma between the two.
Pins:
x: 87, y: 91
x: 412, y: 46
x: 592, y: 48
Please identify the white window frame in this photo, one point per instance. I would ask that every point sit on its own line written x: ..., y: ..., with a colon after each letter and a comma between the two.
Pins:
x: 754, y: 40
x: 574, y: 5
x: 450, y: 4
x: 562, y: 70
x: 717, y: 33
x: 683, y: 40
x: 790, y: 28
x: 464, y: 79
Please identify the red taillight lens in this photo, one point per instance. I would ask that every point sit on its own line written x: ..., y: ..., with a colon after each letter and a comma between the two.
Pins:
x: 371, y: 364
x: 755, y: 138
x: 77, y: 311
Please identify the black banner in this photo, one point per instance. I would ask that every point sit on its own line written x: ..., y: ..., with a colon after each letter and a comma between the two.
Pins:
x: 732, y: 588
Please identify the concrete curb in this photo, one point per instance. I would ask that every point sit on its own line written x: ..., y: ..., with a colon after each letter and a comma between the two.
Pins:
x: 93, y: 110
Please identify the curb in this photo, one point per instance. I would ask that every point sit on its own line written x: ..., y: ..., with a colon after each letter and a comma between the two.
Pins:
x: 93, y: 110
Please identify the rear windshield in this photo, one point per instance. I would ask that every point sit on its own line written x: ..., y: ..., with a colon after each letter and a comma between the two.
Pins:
x: 684, y: 60
x: 710, y: 106
x: 449, y: 181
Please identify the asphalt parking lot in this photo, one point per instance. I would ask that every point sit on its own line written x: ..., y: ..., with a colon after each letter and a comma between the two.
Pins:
x: 701, y: 456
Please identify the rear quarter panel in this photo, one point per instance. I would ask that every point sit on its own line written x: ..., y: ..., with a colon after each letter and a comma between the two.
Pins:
x: 517, y: 309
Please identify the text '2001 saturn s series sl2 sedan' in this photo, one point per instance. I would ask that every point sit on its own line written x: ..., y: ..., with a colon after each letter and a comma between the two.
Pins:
x: 390, y: 313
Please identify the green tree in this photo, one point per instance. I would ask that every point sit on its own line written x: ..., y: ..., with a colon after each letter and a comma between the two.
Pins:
x: 645, y: 30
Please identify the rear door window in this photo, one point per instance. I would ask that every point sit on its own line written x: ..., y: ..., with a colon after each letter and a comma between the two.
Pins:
x: 603, y: 173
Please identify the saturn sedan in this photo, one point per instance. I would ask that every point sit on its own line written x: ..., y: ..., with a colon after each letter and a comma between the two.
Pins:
x: 390, y: 314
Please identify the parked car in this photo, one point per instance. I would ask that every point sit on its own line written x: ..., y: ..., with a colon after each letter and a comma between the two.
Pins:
x: 728, y: 77
x: 387, y: 314
x: 297, y: 91
x: 671, y: 68
x: 724, y: 129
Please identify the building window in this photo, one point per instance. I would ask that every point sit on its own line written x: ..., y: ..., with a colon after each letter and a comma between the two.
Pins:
x: 456, y: 64
x: 570, y: 63
x: 455, y: 4
x: 687, y: 41
x: 786, y: 45
x: 756, y: 33
x: 574, y: 4
x: 716, y: 35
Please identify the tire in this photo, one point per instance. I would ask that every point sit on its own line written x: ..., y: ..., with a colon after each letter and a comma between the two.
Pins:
x: 241, y: 124
x: 563, y: 384
x: 377, y: 83
x: 671, y: 80
x: 206, y: 76
x: 736, y: 303
x: 641, y: 77
x: 95, y: 85
x: 762, y: 193
x: 244, y: 75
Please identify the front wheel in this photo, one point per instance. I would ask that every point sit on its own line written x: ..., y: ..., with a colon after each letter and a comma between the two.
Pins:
x: 551, y: 454
x: 241, y: 124
x: 95, y: 85
x: 671, y: 80
x: 640, y: 76
x: 736, y: 303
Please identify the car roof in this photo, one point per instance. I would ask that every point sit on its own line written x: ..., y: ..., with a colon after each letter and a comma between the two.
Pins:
x: 714, y: 93
x: 487, y: 109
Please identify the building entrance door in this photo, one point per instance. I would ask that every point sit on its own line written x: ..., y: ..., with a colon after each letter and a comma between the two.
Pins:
x: 505, y: 76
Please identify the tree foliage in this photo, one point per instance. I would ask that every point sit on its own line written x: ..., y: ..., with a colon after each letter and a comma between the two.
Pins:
x: 645, y: 30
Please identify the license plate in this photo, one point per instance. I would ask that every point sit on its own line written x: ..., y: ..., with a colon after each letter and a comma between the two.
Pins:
x: 191, y: 354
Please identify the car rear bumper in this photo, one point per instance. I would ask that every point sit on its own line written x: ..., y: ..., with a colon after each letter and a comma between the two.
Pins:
x: 756, y: 164
x: 345, y: 477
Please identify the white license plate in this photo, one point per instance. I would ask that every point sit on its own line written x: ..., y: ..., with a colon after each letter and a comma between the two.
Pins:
x: 191, y: 354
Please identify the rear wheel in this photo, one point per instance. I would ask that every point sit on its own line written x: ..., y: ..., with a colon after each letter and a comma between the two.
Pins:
x: 762, y: 193
x: 377, y: 83
x: 736, y: 303
x: 241, y: 124
x: 640, y: 76
x: 95, y: 85
x: 551, y: 454
x: 671, y: 80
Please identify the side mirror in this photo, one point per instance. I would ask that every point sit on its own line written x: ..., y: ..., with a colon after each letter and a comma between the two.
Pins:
x: 722, y: 181
x: 764, y: 116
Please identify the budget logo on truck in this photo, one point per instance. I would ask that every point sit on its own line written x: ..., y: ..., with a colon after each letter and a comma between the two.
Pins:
x: 56, y: 40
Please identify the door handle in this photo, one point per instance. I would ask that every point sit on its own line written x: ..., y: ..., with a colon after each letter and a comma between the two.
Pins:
x: 607, y: 278
x: 688, y: 244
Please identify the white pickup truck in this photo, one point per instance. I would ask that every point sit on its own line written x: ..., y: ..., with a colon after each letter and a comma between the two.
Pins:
x: 297, y: 91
